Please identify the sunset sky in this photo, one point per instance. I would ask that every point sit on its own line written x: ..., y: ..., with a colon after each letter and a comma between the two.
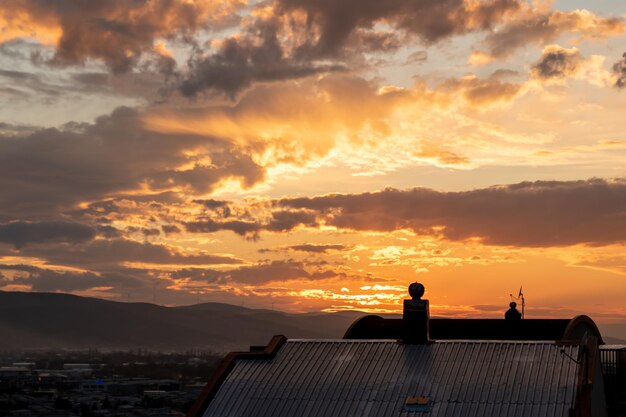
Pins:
x: 309, y: 155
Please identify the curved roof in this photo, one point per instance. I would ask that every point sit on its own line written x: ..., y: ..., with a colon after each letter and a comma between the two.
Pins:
x: 324, y: 378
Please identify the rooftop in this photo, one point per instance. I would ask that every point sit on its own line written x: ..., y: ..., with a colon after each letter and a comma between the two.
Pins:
x: 318, y: 378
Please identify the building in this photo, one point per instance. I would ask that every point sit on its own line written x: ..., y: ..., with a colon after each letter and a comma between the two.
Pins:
x: 417, y: 366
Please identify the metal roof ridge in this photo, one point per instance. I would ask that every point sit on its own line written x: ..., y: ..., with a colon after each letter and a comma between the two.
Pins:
x: 444, y: 341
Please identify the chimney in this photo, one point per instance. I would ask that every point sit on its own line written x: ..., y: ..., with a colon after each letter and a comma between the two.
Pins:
x: 415, y: 317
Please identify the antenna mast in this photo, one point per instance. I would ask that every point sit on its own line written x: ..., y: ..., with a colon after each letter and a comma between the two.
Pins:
x: 520, y: 296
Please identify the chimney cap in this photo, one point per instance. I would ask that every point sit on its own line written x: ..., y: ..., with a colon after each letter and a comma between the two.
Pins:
x: 416, y: 290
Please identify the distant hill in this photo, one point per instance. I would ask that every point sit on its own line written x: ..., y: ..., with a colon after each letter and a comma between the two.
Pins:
x: 62, y: 321
x: 35, y: 321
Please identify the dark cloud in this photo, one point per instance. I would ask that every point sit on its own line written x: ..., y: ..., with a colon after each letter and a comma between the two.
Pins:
x: 557, y: 62
x: 218, y: 206
x: 239, y: 227
x: 519, y: 33
x: 109, y: 232
x: 212, y: 204
x: 102, y: 253
x: 280, y: 221
x: 285, y: 220
x: 242, y: 60
x: 48, y: 280
x: 53, y: 169
x: 430, y: 20
x: 118, y: 32
x: 533, y: 214
x: 263, y: 272
x: 619, y: 68
x: 280, y: 46
x: 20, y: 233
x: 169, y: 229
x: 310, y: 248
x: 317, y: 248
x: 544, y: 27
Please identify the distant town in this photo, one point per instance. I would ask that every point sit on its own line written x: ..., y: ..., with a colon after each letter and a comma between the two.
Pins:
x: 94, y: 383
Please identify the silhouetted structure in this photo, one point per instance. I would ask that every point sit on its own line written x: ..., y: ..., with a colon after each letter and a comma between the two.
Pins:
x: 432, y: 367
x: 512, y: 313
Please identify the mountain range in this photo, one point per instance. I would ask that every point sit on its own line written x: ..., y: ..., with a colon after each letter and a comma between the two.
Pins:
x: 36, y: 321
x: 63, y: 321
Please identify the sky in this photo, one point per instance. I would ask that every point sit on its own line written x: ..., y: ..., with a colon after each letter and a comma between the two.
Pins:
x: 317, y: 155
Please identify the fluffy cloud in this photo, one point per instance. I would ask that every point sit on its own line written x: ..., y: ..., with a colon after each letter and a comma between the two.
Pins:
x: 619, y: 68
x: 51, y: 169
x: 483, y: 92
x: 102, y: 253
x: 118, y: 32
x: 279, y: 221
x: 321, y: 248
x: 48, y: 280
x: 294, y: 39
x: 557, y: 62
x: 242, y: 60
x: 538, y: 214
x: 317, y: 248
x: 263, y: 272
x: 539, y: 26
x: 336, y: 23
x: 20, y: 233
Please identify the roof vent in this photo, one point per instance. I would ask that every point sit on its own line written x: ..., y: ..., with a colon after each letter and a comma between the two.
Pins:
x: 415, y: 316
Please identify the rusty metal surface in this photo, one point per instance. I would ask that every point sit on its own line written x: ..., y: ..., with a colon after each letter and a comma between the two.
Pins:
x: 337, y: 378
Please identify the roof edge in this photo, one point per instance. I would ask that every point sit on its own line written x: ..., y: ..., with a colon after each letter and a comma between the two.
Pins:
x: 228, y: 363
x: 583, y: 402
x: 580, y: 322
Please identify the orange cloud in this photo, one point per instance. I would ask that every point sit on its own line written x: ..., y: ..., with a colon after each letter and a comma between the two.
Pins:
x: 536, y: 25
x: 117, y: 32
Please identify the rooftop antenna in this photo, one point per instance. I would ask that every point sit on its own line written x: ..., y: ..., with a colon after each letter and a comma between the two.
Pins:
x: 520, y: 297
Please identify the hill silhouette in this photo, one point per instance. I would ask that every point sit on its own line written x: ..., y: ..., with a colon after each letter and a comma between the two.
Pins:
x: 31, y: 321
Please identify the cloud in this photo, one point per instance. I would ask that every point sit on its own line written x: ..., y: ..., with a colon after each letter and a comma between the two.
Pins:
x: 309, y: 248
x: 279, y: 222
x: 260, y: 273
x: 540, y: 27
x: 557, y: 62
x: 102, y: 253
x: 53, y: 169
x: 529, y: 214
x: 49, y: 280
x: 619, y: 69
x: 293, y: 122
x: 292, y: 39
x: 333, y: 25
x: 117, y: 32
x: 242, y: 60
x: 442, y: 156
x: 417, y: 57
x: 317, y: 248
x: 20, y: 233
x: 483, y: 92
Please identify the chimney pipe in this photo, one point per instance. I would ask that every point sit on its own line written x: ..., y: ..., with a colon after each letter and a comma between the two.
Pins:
x: 415, y: 317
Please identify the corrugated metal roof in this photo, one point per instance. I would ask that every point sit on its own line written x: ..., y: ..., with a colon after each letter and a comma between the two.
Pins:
x: 315, y: 378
